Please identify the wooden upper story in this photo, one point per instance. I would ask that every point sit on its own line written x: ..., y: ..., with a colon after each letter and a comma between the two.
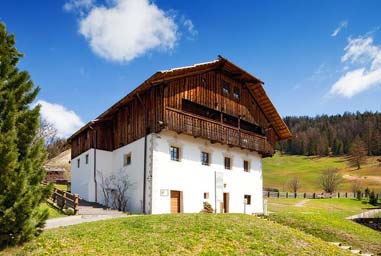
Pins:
x: 216, y: 100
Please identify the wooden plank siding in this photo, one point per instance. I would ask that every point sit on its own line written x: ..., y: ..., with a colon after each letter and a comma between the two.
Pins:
x: 125, y: 122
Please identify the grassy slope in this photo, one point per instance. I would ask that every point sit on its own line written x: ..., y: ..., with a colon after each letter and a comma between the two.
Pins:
x: 279, y: 169
x: 182, y: 234
x: 325, y: 218
x: 53, y: 213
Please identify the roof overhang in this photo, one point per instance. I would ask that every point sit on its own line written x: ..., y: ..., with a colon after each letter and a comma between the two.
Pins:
x: 222, y: 64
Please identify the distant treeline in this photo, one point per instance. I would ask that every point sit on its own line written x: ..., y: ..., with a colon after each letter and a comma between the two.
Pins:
x: 332, y: 135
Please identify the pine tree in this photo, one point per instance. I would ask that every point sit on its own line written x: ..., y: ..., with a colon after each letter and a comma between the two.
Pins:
x: 21, y: 154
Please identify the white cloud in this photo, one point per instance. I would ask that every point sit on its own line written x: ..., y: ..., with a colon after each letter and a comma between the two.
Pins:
x: 341, y: 26
x: 188, y: 24
x: 126, y: 29
x: 65, y: 121
x: 362, y: 64
x: 78, y: 4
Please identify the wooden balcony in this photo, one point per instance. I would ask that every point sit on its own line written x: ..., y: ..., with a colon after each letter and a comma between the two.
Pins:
x: 197, y: 126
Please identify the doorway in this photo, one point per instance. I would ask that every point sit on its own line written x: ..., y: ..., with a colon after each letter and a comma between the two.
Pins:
x: 226, y: 202
x: 175, y: 201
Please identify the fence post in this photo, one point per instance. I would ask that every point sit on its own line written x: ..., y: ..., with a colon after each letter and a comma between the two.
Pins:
x: 314, y: 195
x: 338, y: 194
x: 64, y: 199
x: 54, y: 195
x: 305, y: 195
x: 278, y: 194
x: 346, y: 194
x: 286, y: 194
x: 76, y: 203
x: 268, y: 194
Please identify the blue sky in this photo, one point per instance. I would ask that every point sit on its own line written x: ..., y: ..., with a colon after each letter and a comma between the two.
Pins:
x: 315, y: 57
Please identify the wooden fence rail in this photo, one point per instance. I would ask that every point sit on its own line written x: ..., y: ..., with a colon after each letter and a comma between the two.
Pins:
x: 270, y: 194
x: 65, y: 199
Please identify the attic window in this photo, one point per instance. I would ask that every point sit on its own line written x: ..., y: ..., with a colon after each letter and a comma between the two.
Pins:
x: 225, y: 88
x: 236, y: 93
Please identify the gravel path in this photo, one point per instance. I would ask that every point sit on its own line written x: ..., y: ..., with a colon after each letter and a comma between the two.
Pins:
x: 88, y: 212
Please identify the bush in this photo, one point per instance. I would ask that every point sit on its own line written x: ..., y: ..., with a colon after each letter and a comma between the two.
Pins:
x: 359, y: 195
x: 373, y: 198
x: 207, y: 208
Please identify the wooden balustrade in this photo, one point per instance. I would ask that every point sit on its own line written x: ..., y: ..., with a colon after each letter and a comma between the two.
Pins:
x: 64, y: 199
x: 197, y: 126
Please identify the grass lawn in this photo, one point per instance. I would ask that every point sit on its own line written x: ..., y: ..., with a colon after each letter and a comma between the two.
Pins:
x: 325, y: 218
x: 181, y: 234
x: 278, y: 169
x: 61, y: 186
x: 53, y: 213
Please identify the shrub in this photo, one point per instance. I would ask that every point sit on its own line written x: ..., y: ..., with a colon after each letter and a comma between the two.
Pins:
x: 359, y: 195
x: 207, y: 208
x: 373, y: 198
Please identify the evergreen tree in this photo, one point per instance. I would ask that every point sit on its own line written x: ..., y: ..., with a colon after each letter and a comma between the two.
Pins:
x: 21, y: 154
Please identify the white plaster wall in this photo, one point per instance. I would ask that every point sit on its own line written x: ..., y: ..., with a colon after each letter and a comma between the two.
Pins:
x: 193, y: 179
x: 111, y: 163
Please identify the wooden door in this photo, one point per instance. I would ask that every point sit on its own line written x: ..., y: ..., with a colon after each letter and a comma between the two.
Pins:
x: 175, y: 201
x: 226, y: 202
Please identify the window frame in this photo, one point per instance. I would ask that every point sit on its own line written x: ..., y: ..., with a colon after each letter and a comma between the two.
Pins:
x: 173, y: 149
x: 236, y: 93
x: 127, y: 158
x: 225, y: 88
x: 206, y: 195
x: 78, y: 162
x: 248, y: 199
x: 204, y: 153
x: 227, y: 163
x: 87, y: 159
x: 248, y: 166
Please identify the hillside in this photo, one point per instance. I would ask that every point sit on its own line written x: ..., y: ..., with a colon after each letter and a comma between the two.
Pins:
x: 62, y: 160
x: 183, y: 234
x: 280, y: 168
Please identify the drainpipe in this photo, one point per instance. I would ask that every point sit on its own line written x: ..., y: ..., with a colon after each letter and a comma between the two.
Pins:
x: 95, y: 139
x: 145, y: 151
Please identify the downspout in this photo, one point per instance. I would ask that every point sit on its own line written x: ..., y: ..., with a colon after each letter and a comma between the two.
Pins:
x: 95, y: 139
x: 145, y: 151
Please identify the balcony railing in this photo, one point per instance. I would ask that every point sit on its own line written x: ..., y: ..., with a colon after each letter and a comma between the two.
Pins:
x: 183, y: 122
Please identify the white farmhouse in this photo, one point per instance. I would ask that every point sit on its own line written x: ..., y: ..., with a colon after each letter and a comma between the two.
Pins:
x: 183, y: 137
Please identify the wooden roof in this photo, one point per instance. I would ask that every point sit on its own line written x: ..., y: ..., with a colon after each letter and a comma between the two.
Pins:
x: 222, y: 64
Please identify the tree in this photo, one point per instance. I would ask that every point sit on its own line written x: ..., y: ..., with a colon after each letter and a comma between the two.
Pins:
x: 294, y: 184
x: 330, y: 180
x: 357, y: 153
x: 21, y: 155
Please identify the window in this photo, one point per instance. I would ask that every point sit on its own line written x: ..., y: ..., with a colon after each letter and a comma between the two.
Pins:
x: 247, y: 199
x: 127, y: 159
x: 204, y: 158
x: 228, y: 163
x: 236, y: 93
x: 87, y: 158
x: 225, y: 88
x: 246, y: 165
x: 78, y: 162
x: 206, y: 195
x: 175, y: 153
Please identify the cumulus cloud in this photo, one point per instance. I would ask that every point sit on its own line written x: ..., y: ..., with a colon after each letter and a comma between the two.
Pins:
x: 341, y: 26
x: 362, y: 63
x: 65, y: 121
x: 126, y: 29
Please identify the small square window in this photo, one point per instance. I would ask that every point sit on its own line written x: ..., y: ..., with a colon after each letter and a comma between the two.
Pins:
x: 228, y: 163
x: 204, y: 158
x: 247, y: 199
x: 206, y: 195
x: 246, y: 166
x: 87, y: 159
x: 236, y: 93
x: 225, y: 88
x: 78, y: 162
x: 175, y: 153
x: 127, y: 159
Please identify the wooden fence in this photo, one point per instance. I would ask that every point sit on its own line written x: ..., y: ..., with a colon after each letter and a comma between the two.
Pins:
x: 270, y: 194
x: 65, y: 200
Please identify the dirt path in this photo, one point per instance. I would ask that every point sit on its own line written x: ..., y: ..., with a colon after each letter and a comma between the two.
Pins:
x: 368, y: 214
x: 301, y: 203
x: 369, y: 178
